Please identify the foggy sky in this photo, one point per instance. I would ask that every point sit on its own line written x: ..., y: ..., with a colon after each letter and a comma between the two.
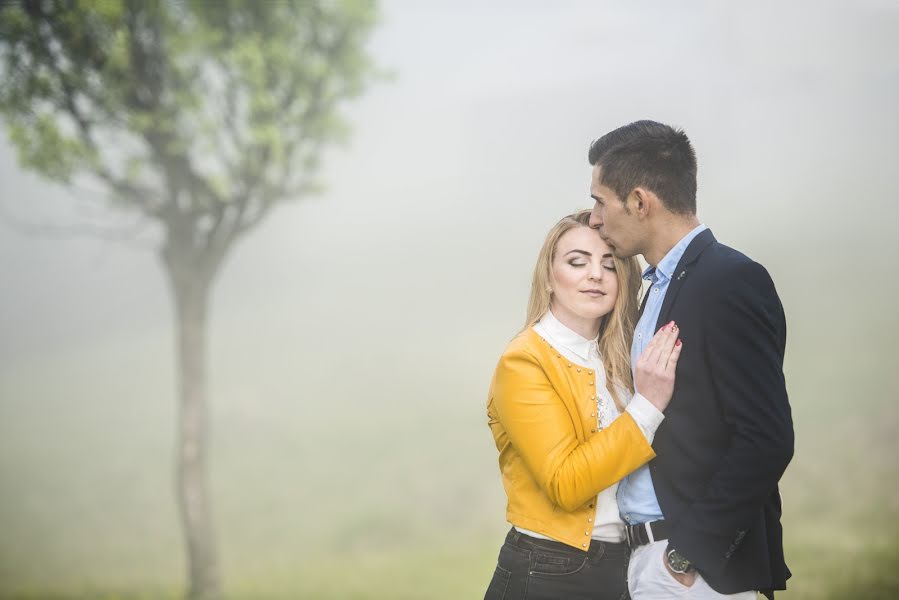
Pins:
x: 460, y: 162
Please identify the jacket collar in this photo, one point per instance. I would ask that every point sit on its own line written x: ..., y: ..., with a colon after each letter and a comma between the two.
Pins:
x: 684, y: 265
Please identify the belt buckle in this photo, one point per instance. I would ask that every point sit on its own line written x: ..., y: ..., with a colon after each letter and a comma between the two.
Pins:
x: 629, y: 537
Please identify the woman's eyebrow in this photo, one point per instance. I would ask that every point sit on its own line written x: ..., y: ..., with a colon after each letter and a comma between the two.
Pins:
x: 584, y: 252
x: 608, y: 255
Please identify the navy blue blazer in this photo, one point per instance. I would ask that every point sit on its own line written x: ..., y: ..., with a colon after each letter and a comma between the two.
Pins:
x: 727, y: 436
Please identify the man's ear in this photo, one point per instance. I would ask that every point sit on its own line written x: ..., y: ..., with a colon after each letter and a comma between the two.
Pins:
x: 641, y: 201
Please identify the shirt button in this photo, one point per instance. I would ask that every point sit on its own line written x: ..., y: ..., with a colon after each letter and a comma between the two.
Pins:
x: 655, y: 290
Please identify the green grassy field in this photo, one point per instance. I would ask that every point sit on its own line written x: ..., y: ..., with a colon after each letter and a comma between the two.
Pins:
x: 337, y: 477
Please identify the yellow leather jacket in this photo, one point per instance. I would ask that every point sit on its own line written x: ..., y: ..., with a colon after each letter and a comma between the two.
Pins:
x: 541, y: 409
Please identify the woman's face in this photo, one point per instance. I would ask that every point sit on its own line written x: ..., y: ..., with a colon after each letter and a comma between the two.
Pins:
x: 584, y: 282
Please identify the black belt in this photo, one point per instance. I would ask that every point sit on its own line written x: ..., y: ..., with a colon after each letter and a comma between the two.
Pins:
x: 644, y: 533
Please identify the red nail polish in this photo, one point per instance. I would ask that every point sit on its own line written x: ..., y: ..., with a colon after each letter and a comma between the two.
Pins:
x: 677, y: 343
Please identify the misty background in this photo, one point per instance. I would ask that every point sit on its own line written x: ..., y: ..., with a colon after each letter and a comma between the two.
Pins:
x: 353, y: 335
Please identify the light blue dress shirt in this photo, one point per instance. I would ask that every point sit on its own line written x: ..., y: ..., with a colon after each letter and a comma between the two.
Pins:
x: 636, y: 494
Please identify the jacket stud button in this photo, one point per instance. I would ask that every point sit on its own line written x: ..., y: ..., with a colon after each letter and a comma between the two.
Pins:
x: 578, y: 370
x: 584, y: 545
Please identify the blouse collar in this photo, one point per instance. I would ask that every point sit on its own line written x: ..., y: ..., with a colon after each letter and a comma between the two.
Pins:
x: 565, y: 337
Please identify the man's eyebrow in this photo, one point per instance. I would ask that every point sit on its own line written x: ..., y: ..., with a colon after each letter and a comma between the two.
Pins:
x: 595, y: 197
x: 584, y: 252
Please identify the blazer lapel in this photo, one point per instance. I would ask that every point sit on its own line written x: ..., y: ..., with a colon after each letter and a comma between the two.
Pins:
x: 686, y: 262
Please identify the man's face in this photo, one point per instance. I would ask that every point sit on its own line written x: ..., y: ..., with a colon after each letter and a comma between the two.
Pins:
x: 616, y: 224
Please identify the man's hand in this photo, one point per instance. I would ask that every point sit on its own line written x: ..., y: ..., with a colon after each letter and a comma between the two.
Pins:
x: 686, y: 579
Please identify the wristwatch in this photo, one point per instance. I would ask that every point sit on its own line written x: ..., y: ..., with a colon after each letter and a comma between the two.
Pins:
x: 677, y: 562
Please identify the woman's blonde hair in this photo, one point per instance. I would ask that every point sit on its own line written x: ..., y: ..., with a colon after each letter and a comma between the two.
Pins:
x: 616, y: 329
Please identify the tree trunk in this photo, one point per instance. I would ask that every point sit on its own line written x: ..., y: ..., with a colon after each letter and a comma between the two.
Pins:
x: 190, y: 281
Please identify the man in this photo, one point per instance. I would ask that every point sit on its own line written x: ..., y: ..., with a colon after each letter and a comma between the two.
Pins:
x: 704, y: 514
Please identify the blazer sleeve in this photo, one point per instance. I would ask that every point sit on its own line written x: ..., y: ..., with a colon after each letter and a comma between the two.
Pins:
x: 541, y: 430
x: 745, y: 349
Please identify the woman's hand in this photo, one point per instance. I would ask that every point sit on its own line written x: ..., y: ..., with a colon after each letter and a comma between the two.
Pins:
x: 654, y: 375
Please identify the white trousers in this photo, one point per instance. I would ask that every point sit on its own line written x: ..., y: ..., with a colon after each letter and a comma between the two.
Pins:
x: 648, y: 578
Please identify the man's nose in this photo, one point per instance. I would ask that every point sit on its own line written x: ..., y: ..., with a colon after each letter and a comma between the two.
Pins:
x: 595, y: 219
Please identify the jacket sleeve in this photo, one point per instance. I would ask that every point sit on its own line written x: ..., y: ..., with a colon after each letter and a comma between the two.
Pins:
x: 745, y: 349
x: 541, y: 430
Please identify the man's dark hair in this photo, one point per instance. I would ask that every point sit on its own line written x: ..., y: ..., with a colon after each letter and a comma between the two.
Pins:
x: 652, y: 155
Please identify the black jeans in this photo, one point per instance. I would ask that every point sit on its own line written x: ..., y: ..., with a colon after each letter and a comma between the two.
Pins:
x: 529, y: 568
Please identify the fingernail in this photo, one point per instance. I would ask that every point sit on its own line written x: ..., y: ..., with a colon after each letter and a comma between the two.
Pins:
x: 677, y: 343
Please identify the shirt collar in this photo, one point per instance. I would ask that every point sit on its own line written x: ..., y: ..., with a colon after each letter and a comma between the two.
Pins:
x: 665, y: 269
x: 563, y: 336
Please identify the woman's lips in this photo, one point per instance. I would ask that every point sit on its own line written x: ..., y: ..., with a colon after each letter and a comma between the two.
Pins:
x: 593, y: 293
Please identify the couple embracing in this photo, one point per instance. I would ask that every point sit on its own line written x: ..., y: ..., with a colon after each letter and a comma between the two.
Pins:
x: 641, y: 443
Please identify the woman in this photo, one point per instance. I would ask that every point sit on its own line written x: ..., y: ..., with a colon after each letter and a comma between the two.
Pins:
x: 567, y: 424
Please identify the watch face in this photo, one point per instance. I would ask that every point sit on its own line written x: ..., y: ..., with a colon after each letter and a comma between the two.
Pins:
x: 677, y: 562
